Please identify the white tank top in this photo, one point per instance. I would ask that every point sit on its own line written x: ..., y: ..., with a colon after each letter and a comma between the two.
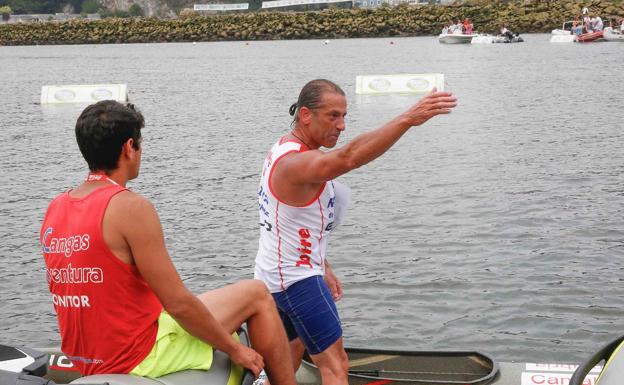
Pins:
x: 293, y: 240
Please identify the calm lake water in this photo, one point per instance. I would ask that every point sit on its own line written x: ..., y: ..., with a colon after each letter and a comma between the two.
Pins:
x: 499, y: 227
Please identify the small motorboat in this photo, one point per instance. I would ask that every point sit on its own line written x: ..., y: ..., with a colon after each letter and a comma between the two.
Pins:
x: 565, y: 34
x: 455, y: 38
x: 566, y: 29
x: 610, y: 34
x: 589, y: 37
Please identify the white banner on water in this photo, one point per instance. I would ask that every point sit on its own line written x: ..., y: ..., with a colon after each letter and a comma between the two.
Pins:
x: 221, y: 7
x: 85, y: 93
x: 287, y: 3
x: 400, y: 83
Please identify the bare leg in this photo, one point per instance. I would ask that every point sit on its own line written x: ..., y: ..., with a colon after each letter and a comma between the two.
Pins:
x: 296, y: 352
x: 333, y: 364
x: 249, y: 301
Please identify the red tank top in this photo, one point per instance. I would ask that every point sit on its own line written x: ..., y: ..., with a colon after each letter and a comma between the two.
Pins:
x: 107, y: 314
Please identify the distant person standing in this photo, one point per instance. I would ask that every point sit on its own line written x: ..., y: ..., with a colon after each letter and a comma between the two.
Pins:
x: 300, y: 204
x: 622, y: 25
x: 597, y: 24
x: 467, y: 27
x: 587, y: 26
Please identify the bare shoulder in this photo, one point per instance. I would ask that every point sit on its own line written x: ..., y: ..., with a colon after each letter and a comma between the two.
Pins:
x: 295, y: 161
x: 128, y: 204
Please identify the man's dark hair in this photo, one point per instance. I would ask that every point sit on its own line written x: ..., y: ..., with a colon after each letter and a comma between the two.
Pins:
x: 103, y: 128
x: 310, y: 95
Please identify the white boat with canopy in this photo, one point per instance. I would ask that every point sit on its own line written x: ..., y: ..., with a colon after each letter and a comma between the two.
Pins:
x: 563, y: 35
x: 566, y: 28
x: 455, y: 38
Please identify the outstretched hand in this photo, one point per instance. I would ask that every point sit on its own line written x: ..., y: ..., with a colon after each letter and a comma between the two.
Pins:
x: 248, y: 358
x: 432, y: 104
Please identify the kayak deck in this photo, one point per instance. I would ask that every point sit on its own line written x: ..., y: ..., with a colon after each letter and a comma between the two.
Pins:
x: 379, y: 367
x: 367, y: 366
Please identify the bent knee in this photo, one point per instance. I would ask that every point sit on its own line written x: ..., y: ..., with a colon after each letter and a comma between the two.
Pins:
x: 257, y: 290
x: 338, y: 371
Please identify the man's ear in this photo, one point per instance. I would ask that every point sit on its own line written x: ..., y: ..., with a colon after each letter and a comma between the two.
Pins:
x: 305, y: 115
x: 127, y: 149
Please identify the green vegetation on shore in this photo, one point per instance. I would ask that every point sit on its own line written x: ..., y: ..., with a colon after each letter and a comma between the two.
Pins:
x: 487, y: 16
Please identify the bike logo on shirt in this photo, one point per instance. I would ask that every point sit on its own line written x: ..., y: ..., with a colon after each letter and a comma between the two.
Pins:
x: 304, y: 257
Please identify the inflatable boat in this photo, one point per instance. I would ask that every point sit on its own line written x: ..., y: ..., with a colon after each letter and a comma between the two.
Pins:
x: 22, y: 366
x: 589, y: 37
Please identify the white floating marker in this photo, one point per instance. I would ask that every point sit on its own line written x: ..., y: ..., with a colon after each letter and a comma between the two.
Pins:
x: 398, y: 84
x: 86, y: 93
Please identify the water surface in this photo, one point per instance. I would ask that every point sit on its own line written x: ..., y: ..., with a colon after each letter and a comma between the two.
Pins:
x: 498, y: 227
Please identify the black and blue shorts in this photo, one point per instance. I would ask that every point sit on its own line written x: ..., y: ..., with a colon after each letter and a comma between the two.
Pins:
x: 308, y: 311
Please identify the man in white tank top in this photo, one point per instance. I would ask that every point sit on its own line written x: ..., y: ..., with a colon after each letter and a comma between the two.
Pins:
x: 300, y: 205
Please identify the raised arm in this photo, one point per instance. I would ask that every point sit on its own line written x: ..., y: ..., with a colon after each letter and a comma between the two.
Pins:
x: 317, y: 166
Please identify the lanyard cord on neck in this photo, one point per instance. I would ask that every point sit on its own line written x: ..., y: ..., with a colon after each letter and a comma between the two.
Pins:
x: 301, y: 140
x: 97, y: 177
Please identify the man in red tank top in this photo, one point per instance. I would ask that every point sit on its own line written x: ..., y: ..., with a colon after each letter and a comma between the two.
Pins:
x: 116, y: 292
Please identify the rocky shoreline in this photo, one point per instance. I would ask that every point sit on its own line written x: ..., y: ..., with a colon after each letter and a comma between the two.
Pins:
x: 528, y: 16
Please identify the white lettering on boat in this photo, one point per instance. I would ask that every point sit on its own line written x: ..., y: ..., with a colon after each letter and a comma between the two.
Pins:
x: 59, y: 361
x: 550, y: 378
x: 558, y: 368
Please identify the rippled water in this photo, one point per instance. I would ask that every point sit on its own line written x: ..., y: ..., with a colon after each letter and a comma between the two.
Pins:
x: 499, y: 227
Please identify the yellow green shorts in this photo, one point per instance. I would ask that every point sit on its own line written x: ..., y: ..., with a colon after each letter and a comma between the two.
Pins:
x: 175, y: 349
